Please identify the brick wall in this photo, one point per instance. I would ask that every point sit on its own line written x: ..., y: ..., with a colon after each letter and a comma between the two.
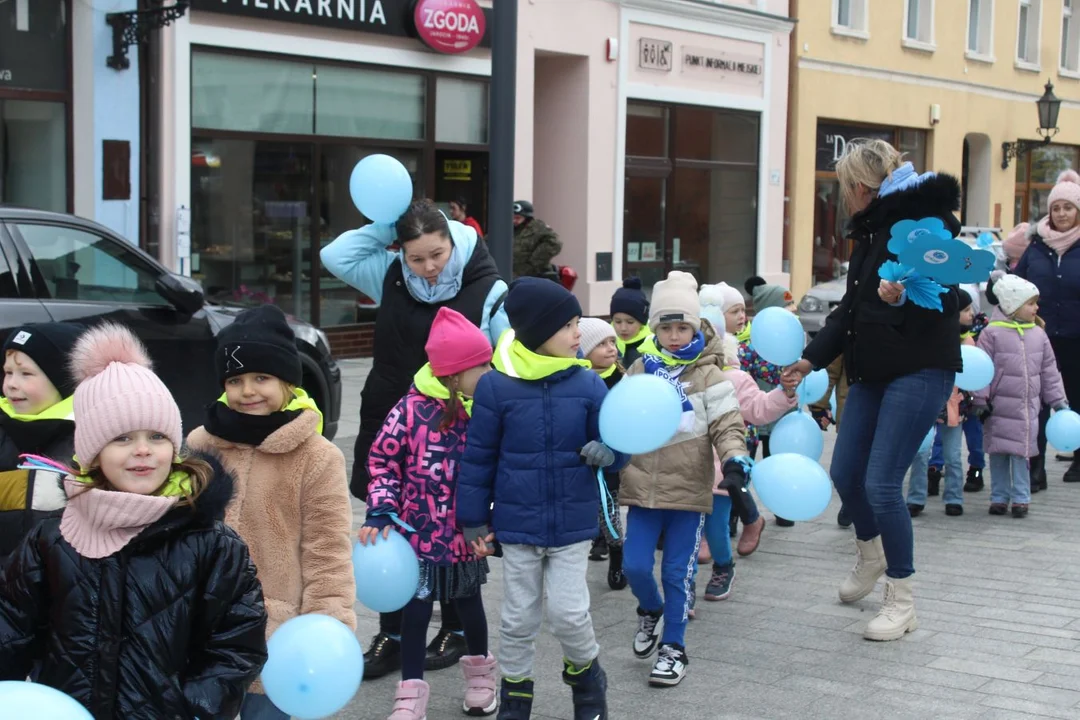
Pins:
x: 351, y: 341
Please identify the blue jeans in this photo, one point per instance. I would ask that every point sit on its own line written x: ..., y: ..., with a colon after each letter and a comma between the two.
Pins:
x: 259, y: 707
x: 884, y: 424
x: 682, y: 536
x: 716, y: 529
x: 1010, y: 479
x: 973, y: 433
x: 952, y: 439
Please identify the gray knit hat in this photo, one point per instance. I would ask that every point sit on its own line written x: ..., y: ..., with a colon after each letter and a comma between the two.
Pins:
x: 765, y: 295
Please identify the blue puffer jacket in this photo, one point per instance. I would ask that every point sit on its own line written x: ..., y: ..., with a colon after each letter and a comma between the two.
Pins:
x: 1058, y: 280
x: 522, y: 454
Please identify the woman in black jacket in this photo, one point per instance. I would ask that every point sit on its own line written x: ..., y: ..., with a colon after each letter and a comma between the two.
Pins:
x: 900, y: 359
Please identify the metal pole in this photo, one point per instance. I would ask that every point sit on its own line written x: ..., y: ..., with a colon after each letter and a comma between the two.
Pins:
x: 501, y: 115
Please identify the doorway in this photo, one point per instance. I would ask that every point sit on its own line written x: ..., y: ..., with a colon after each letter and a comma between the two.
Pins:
x: 463, y: 175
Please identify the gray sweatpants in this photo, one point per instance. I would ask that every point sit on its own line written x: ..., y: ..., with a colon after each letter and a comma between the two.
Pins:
x: 530, y: 573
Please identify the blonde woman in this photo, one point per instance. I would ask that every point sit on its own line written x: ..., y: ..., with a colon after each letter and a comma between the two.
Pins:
x: 900, y: 360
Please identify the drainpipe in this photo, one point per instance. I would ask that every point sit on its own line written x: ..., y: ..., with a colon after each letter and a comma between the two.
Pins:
x: 501, y: 110
x: 789, y: 160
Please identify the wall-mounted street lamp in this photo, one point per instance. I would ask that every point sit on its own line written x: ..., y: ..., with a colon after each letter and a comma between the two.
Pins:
x: 134, y: 26
x: 1048, y: 106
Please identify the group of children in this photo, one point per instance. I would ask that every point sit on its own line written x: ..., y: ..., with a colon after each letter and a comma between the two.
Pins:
x: 143, y: 575
x: 475, y: 462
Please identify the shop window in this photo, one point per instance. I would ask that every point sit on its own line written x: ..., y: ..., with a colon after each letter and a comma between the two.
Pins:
x: 355, y: 102
x: 1027, y: 33
x: 980, y: 36
x: 912, y: 143
x: 340, y: 304
x: 461, y: 111
x: 646, y: 130
x: 850, y: 18
x: 77, y: 265
x: 234, y: 92
x: 1036, y: 174
x: 919, y: 24
x: 722, y: 136
x: 1070, y: 38
x: 34, y: 44
x: 33, y: 154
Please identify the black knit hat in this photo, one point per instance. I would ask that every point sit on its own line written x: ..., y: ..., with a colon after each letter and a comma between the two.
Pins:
x: 965, y: 298
x: 49, y: 345
x: 538, y: 308
x: 629, y: 299
x: 259, y: 340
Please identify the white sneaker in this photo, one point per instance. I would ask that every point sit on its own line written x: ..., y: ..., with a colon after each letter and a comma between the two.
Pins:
x: 670, y: 666
x: 897, y: 615
x: 869, y: 566
x: 648, y: 633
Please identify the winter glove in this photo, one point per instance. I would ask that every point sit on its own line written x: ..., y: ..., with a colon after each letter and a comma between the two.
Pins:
x: 1062, y: 406
x: 597, y: 454
x: 983, y: 412
x: 735, y: 481
x: 823, y: 418
x: 472, y: 533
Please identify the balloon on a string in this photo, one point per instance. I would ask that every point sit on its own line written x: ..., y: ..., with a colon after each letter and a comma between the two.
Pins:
x: 21, y: 700
x: 640, y: 414
x: 792, y: 486
x: 777, y: 336
x: 978, y: 369
x: 381, y: 188
x: 1063, y: 430
x: 797, y: 433
x: 387, y: 573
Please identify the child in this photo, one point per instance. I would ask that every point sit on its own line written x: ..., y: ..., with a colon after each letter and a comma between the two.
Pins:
x: 629, y: 316
x: 670, y: 490
x: 767, y: 375
x: 292, y: 498
x: 413, y: 465
x: 949, y: 432
x: 138, y: 602
x: 533, y: 450
x: 1025, y: 377
x: 35, y: 418
x: 598, y: 346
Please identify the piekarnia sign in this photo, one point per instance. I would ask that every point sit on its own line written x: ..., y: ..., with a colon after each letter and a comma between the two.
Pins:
x: 449, y: 27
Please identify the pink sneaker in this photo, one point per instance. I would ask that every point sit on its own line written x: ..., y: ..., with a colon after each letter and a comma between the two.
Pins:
x: 481, y: 697
x: 410, y: 700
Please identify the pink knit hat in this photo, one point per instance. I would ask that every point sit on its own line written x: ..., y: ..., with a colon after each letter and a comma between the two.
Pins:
x: 454, y: 344
x: 1067, y: 189
x: 117, y: 392
x: 1017, y: 242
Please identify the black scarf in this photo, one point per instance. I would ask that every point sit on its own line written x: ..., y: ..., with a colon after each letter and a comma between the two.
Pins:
x: 243, y: 429
x: 36, y: 436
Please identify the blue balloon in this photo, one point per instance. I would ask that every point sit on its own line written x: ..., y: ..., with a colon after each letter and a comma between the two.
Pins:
x: 792, y: 486
x: 22, y: 700
x: 797, y: 433
x: 381, y: 188
x: 313, y: 668
x: 387, y: 573
x: 640, y: 414
x: 928, y: 442
x: 1063, y: 430
x: 832, y: 405
x: 813, y: 387
x: 777, y: 336
x: 985, y: 240
x: 978, y: 369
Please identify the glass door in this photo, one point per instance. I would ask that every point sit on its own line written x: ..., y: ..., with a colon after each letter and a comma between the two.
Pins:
x: 644, y: 207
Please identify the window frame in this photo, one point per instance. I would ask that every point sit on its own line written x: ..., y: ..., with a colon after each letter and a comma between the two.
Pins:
x: 859, y: 28
x: 985, y: 25
x: 1070, y: 41
x: 924, y: 20
x: 1034, y: 12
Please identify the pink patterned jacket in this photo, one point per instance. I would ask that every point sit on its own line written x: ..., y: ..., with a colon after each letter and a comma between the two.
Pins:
x: 413, y: 468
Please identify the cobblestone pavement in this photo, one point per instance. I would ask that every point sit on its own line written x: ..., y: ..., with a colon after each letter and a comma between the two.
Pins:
x: 998, y: 602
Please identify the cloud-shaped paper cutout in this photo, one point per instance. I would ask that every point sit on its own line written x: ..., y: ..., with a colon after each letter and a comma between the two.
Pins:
x: 905, y: 232
x: 949, y: 261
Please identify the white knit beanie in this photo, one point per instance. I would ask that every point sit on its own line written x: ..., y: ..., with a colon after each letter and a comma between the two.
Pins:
x: 593, y: 332
x: 675, y: 299
x: 722, y: 295
x: 1012, y: 292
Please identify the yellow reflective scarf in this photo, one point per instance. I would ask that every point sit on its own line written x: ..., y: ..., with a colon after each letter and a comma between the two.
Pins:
x: 514, y: 359
x: 429, y: 385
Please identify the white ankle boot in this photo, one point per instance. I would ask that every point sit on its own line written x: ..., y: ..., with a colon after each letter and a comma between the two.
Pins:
x: 868, y: 568
x: 897, y: 615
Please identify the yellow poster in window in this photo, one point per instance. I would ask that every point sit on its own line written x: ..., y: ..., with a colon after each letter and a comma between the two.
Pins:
x: 457, y: 169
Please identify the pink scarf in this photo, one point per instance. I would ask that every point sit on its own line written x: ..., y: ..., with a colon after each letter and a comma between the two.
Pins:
x: 1059, y: 242
x: 99, y: 523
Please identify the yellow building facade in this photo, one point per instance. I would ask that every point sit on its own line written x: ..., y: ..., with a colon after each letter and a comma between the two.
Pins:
x: 947, y: 82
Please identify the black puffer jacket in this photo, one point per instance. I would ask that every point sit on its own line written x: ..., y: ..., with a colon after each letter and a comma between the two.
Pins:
x: 172, y: 626
x: 879, y: 342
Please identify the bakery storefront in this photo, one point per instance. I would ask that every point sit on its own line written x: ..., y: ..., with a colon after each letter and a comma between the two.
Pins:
x: 831, y: 248
x: 274, y: 136
x: 35, y: 104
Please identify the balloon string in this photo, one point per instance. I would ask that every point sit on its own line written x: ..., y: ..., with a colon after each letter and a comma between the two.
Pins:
x: 605, y: 496
x: 401, y: 523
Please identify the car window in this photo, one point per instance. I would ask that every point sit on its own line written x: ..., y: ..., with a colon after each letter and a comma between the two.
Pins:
x: 8, y: 287
x: 73, y: 264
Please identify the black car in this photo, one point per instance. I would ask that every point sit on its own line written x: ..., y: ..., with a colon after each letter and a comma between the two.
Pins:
x: 57, y: 267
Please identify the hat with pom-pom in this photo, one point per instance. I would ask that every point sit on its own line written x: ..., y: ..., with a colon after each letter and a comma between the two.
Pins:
x: 454, y: 344
x: 630, y: 300
x: 722, y: 295
x: 118, y: 392
x: 1016, y: 242
x: 765, y: 295
x: 1067, y: 189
